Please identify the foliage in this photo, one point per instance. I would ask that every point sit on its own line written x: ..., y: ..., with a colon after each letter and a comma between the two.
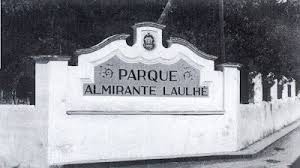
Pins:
x: 263, y: 35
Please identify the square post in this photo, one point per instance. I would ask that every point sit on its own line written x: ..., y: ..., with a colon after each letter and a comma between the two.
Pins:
x: 274, y: 95
x: 231, y: 96
x: 43, y: 82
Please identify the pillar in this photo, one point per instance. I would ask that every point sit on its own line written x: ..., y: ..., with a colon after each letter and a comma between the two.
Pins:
x: 285, y: 88
x: 273, y: 92
x: 43, y: 81
x: 293, y: 88
x: 258, y: 88
x: 231, y: 85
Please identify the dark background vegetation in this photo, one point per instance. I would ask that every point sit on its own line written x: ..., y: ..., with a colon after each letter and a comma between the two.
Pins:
x: 263, y: 35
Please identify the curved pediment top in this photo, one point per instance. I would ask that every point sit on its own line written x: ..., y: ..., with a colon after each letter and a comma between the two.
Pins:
x: 102, y: 44
x: 148, y: 24
x: 176, y: 40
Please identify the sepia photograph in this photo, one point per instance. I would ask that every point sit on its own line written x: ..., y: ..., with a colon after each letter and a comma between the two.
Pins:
x: 150, y: 84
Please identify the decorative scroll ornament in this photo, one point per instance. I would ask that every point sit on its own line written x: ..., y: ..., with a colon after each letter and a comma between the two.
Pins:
x: 106, y: 72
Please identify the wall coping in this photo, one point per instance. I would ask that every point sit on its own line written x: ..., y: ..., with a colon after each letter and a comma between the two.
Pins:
x: 47, y: 58
x: 229, y: 65
x: 177, y: 40
x: 102, y: 44
x: 148, y: 24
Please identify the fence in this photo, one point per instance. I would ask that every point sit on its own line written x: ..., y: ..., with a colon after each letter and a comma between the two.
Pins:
x: 255, y: 88
x: 267, y: 105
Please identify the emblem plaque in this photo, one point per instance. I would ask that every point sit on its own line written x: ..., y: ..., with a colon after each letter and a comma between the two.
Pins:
x: 149, y: 42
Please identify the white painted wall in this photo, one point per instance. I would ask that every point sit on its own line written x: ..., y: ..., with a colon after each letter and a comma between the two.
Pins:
x: 22, y: 142
x: 97, y: 138
x: 256, y: 121
x: 22, y: 137
x: 46, y: 135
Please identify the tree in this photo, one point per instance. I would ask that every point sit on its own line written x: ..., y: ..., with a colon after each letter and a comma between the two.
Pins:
x: 166, y: 11
x: 263, y: 35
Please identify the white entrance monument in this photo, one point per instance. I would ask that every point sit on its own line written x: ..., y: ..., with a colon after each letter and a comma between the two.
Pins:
x: 144, y: 101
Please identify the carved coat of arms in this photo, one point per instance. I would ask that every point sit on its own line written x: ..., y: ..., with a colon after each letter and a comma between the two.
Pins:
x: 149, y: 42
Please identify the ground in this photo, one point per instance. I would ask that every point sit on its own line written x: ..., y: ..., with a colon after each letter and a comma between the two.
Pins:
x: 280, y: 154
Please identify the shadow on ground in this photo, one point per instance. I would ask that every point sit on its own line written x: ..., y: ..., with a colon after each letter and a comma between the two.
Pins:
x: 296, y: 164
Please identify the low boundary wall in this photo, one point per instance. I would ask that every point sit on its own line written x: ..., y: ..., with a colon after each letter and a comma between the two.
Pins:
x: 22, y: 137
x: 23, y: 130
x: 257, y: 121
